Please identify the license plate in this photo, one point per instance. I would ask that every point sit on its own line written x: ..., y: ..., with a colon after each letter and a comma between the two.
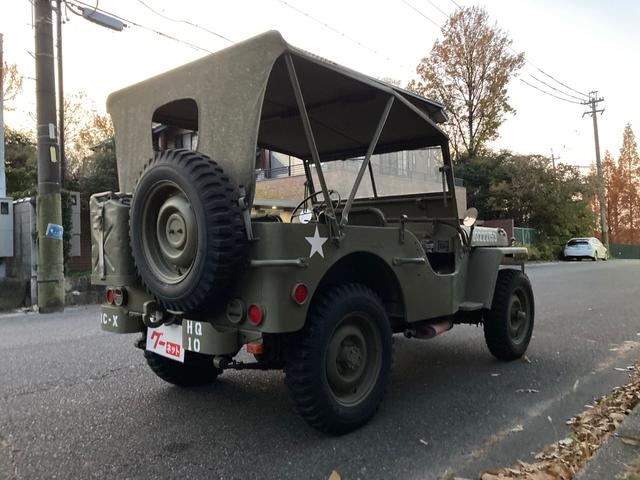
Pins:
x: 166, y: 340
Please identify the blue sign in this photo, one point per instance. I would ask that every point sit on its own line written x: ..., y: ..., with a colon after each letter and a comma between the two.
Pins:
x: 54, y: 231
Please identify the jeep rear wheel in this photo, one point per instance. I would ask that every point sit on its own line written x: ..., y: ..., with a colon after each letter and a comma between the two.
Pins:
x: 187, y: 233
x: 197, y: 369
x: 509, y: 324
x: 338, y: 371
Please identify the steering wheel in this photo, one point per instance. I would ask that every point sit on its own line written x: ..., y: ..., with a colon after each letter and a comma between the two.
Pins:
x: 295, y: 213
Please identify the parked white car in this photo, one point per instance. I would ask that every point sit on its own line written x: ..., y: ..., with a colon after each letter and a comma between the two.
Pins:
x: 588, y: 247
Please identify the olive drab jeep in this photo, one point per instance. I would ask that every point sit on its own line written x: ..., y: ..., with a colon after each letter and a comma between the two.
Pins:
x: 379, y: 243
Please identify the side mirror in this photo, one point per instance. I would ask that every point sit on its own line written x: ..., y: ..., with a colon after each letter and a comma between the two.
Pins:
x: 470, y: 217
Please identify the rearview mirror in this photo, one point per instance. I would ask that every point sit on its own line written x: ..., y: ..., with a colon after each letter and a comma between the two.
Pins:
x: 470, y: 217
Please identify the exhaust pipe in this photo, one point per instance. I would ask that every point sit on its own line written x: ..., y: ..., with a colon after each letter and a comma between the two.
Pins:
x: 428, y: 330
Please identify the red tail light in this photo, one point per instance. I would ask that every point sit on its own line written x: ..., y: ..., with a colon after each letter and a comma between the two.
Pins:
x: 255, y: 314
x: 300, y: 293
x: 110, y: 296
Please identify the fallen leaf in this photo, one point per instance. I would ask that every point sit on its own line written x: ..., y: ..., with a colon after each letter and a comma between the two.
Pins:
x: 525, y: 359
x: 489, y: 476
x: 629, y: 440
x: 335, y: 476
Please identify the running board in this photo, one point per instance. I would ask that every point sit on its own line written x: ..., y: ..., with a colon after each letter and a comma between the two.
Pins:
x: 470, y: 306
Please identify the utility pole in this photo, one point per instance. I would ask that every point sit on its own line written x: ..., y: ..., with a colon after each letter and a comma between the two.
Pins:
x: 3, y: 180
x: 553, y: 160
x: 63, y: 159
x: 593, y: 103
x: 48, y: 207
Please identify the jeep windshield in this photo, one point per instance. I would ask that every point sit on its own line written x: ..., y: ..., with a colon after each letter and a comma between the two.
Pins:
x: 394, y: 173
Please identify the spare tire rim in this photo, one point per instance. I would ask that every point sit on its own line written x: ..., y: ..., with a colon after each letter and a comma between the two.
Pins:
x: 354, y: 359
x: 169, y: 232
x: 518, y: 316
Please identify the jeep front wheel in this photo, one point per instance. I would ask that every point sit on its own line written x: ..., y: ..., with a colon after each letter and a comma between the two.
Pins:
x: 338, y: 371
x: 509, y: 324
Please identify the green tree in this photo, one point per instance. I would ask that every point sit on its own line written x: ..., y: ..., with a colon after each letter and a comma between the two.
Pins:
x: 21, y: 163
x: 100, y: 171
x: 555, y: 202
x: 468, y: 72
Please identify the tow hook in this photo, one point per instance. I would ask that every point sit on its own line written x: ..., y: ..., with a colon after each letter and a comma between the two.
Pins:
x: 152, y: 316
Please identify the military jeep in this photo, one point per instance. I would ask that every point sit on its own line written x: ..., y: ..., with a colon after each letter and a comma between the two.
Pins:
x: 376, y: 246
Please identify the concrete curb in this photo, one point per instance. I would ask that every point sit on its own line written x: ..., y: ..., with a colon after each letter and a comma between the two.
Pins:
x: 611, y: 458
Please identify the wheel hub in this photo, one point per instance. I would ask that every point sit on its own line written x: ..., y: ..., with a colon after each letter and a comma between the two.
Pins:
x: 350, y: 358
x: 518, y: 318
x: 170, y: 233
x: 353, y: 360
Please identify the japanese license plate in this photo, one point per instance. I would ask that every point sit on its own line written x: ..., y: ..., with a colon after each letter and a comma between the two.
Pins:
x: 166, y: 340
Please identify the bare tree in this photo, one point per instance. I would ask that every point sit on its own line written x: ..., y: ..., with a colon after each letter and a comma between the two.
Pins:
x: 12, y: 84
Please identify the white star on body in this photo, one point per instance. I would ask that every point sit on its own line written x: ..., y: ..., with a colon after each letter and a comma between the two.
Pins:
x: 316, y: 243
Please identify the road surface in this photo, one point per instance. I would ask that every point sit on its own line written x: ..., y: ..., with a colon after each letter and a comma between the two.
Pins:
x: 79, y: 403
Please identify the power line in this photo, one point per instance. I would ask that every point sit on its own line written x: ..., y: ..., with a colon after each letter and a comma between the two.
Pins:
x: 184, y: 21
x: 338, y: 32
x: 558, y: 81
x: 549, y: 93
x: 437, y: 8
x: 420, y: 13
x: 549, y: 75
x: 79, y: 4
x: 510, y: 48
x: 556, y: 89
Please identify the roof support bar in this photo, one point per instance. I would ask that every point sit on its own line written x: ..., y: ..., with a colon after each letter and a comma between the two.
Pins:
x: 297, y: 91
x: 366, y: 163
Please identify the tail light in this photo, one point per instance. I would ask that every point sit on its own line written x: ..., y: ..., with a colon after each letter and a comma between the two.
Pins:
x: 110, y: 296
x: 116, y: 296
x: 300, y: 293
x: 255, y: 314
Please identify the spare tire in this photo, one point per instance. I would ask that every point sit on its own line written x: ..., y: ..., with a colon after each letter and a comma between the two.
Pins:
x: 187, y: 231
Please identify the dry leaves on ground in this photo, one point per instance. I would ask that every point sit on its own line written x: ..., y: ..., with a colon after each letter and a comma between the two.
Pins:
x: 563, y: 459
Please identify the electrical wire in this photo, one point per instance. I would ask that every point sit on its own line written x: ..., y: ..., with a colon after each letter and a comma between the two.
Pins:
x: 549, y: 93
x: 437, y: 8
x: 80, y: 4
x: 185, y: 22
x: 420, y: 13
x: 456, y: 3
x: 554, y: 88
x: 550, y: 76
x: 338, y: 32
x: 514, y: 51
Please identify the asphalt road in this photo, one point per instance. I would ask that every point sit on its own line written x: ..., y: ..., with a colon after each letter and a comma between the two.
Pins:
x: 79, y: 403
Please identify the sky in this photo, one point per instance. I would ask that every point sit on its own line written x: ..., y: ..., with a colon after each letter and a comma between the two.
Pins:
x: 586, y: 44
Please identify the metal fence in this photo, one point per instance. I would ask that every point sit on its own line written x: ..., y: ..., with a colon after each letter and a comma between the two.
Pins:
x: 525, y: 236
x: 617, y: 250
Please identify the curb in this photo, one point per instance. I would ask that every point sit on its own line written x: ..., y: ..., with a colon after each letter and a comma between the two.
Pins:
x: 621, y: 449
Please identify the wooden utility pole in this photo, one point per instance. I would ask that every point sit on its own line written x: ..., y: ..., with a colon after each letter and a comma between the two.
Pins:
x: 48, y: 207
x: 63, y: 159
x: 593, y: 102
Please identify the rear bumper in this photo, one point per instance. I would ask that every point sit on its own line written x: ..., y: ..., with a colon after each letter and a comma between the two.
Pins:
x: 200, y: 337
